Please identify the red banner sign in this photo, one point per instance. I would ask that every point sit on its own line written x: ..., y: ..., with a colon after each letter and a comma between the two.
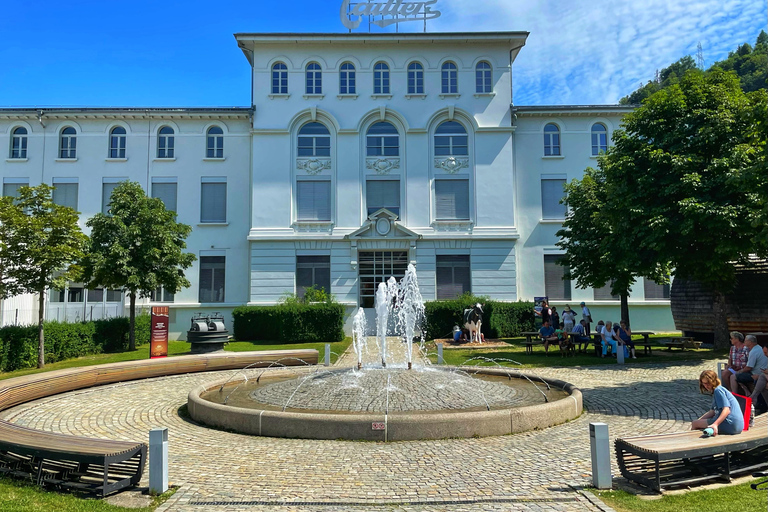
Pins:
x: 158, y: 346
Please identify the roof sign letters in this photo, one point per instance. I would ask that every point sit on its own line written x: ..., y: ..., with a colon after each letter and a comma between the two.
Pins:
x: 390, y: 11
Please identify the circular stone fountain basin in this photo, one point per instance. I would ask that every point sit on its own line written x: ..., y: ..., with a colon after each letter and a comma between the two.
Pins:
x: 386, y: 404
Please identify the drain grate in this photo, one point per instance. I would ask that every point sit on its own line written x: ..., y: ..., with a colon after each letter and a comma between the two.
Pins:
x: 255, y: 503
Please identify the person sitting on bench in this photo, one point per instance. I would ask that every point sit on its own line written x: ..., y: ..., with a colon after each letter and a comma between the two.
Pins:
x: 607, y: 335
x: 580, y: 332
x: 756, y: 363
x: 547, y: 334
x: 625, y: 335
x: 725, y: 416
x: 761, y: 389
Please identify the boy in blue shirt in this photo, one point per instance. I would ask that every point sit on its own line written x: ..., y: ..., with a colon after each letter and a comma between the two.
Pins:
x: 547, y: 334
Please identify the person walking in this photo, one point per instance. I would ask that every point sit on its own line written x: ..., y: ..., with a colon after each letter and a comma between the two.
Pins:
x: 586, y: 316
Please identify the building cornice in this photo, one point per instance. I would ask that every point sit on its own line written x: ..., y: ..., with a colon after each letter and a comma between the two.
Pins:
x: 571, y: 110
x: 34, y: 113
x: 246, y: 39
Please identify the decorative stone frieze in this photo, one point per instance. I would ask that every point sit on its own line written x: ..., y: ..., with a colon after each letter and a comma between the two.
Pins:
x: 382, y: 165
x: 313, y: 166
x: 451, y: 165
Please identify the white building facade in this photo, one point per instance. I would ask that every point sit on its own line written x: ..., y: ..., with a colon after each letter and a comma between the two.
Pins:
x: 361, y: 153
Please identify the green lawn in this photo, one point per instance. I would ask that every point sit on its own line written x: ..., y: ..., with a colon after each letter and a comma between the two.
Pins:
x: 515, y: 350
x: 178, y: 348
x: 739, y: 498
x: 19, y: 496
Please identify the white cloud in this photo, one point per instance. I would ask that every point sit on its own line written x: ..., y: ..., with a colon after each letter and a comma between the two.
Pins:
x: 591, y: 52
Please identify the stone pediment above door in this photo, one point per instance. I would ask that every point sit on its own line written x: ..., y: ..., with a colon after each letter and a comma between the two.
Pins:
x: 383, y: 224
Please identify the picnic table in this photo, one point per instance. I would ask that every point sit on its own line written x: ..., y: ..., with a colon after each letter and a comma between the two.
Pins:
x: 682, y: 343
x: 531, y: 338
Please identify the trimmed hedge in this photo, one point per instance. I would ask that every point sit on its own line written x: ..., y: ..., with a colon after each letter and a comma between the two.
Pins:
x: 290, y: 323
x: 18, y: 344
x: 500, y: 319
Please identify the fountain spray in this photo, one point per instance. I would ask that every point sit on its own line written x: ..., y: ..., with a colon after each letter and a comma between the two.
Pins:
x: 383, y: 303
x: 359, y: 335
x: 410, y: 309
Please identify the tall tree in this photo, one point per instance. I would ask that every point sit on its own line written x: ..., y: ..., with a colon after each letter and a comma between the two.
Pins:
x: 689, y: 166
x: 137, y: 246
x: 39, y: 241
x: 596, y: 251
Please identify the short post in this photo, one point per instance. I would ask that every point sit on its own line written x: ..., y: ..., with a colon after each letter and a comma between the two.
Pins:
x: 601, y: 455
x: 720, y: 367
x: 440, y: 359
x: 158, y: 460
x: 327, y: 354
x: 620, y: 353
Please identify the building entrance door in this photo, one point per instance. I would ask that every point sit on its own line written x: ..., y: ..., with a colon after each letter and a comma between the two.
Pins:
x: 375, y: 267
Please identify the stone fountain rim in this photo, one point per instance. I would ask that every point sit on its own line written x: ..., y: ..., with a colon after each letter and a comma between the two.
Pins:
x: 400, y: 426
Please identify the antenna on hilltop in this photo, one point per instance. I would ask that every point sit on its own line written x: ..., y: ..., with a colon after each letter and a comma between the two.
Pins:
x: 699, y: 56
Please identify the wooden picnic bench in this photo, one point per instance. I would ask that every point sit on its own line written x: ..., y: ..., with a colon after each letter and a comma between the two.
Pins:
x: 101, y: 466
x: 683, y: 458
x: 682, y: 343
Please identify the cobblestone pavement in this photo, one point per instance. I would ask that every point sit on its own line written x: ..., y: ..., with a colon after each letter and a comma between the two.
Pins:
x: 535, y: 471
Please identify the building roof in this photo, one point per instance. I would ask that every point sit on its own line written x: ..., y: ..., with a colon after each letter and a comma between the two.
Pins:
x: 124, y: 112
x: 570, y: 110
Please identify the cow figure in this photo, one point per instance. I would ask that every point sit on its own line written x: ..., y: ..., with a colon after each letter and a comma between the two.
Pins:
x: 473, y: 321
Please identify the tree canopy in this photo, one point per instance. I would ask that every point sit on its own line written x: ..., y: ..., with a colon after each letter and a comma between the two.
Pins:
x: 689, y: 170
x: 39, y: 242
x: 137, y: 246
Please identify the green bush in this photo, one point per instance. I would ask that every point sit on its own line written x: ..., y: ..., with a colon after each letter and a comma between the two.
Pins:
x: 500, y: 319
x: 290, y: 322
x: 18, y: 344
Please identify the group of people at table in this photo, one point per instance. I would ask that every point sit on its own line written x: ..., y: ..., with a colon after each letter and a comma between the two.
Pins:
x: 557, y: 331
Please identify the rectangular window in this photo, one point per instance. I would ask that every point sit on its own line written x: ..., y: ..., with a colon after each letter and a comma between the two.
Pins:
x: 160, y: 295
x: 555, y: 287
x: 382, y: 194
x: 75, y: 294
x: 11, y: 186
x: 65, y: 192
x: 313, y: 271
x: 212, y: 271
x: 453, y: 277
x: 452, y: 199
x: 376, y: 267
x: 655, y: 291
x: 551, y: 194
x: 114, y: 295
x: 106, y: 193
x: 313, y: 200
x: 165, y: 190
x: 604, y: 293
x: 57, y: 295
x: 213, y: 200
x: 96, y: 295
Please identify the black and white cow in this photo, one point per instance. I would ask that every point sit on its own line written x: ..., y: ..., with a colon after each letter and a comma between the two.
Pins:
x: 473, y: 321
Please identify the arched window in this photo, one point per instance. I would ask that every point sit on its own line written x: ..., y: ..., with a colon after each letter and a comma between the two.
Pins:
x: 314, y: 140
x: 599, y: 139
x: 165, y: 142
x: 19, y: 143
x: 117, y: 142
x: 68, y: 143
x: 415, y: 78
x: 381, y: 78
x: 279, y: 78
x: 314, y: 79
x: 451, y: 139
x: 450, y: 80
x: 215, y: 144
x: 347, y: 79
x: 551, y: 140
x: 483, y: 78
x: 382, y: 140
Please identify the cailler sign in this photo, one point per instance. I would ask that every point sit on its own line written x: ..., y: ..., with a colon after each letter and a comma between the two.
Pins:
x: 392, y: 11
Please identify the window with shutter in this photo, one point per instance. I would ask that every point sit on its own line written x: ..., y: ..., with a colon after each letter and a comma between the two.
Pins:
x: 655, y: 291
x: 313, y: 200
x: 11, y: 186
x: 382, y: 194
x: 551, y: 194
x: 604, y: 293
x: 106, y: 195
x: 313, y: 271
x: 213, y: 200
x: 212, y: 274
x: 452, y: 199
x: 165, y: 190
x: 555, y: 287
x: 453, y: 277
x: 65, y: 192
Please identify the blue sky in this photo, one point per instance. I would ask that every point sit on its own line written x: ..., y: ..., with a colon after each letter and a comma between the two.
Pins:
x: 140, y: 53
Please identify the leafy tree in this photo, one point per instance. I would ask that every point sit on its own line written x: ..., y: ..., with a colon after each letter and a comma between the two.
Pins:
x: 596, y: 250
x: 39, y: 241
x: 137, y: 246
x: 689, y: 167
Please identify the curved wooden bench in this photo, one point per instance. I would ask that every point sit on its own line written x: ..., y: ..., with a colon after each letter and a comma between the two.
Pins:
x: 683, y: 458
x: 101, y: 466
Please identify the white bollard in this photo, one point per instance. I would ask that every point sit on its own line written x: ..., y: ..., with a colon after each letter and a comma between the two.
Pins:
x: 158, y: 460
x: 720, y: 367
x: 619, y: 353
x: 440, y: 359
x: 601, y: 455
x: 327, y: 354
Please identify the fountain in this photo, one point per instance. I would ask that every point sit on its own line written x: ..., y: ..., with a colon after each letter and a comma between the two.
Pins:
x: 391, y: 393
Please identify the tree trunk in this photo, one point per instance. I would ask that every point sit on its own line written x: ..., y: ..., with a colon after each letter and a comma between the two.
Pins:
x: 720, y: 328
x: 625, y: 309
x: 40, y: 334
x: 132, y: 328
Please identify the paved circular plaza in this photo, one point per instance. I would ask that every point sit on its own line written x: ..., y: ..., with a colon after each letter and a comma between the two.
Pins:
x: 536, y: 471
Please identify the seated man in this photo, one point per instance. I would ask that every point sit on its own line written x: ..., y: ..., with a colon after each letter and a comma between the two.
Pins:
x: 547, y: 334
x: 756, y: 363
x: 737, y: 359
x: 580, y: 334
